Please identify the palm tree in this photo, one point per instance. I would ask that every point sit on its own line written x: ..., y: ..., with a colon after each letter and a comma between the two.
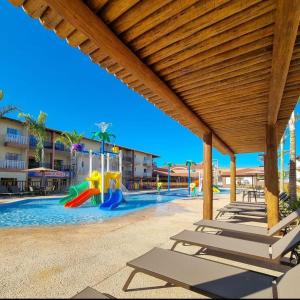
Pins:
x: 281, y: 154
x: 103, y: 135
x: 292, y: 173
x: 189, y: 163
x: 6, y: 109
x: 38, y: 129
x: 169, y: 164
x: 72, y: 141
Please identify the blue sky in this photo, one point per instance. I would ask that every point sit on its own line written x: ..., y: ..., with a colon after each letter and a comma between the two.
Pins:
x: 39, y: 71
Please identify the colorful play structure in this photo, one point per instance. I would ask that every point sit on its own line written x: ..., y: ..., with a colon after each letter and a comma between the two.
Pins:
x: 102, y: 187
x: 198, y: 183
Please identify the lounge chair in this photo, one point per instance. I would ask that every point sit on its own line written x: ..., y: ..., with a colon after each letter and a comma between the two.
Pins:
x: 34, y: 191
x: 4, y: 191
x: 247, y: 229
x: 16, y: 191
x: 90, y: 293
x: 254, y: 212
x: 213, y: 279
x: 271, y: 252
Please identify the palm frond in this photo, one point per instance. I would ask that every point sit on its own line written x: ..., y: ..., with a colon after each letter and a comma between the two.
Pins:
x: 1, y: 94
x: 41, y: 120
x: 7, y: 109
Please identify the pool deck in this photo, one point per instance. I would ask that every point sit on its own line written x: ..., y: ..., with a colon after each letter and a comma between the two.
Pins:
x: 60, y: 261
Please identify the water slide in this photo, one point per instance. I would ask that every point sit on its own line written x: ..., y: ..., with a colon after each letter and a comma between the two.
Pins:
x: 79, y: 200
x: 112, y: 199
x: 74, y: 191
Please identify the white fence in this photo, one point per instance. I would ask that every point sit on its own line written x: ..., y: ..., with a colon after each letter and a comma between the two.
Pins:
x: 12, y: 164
x: 15, y: 138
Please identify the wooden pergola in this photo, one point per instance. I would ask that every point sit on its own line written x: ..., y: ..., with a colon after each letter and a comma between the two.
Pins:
x: 227, y: 70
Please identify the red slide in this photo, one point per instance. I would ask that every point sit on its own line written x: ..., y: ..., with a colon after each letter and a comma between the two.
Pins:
x: 86, y: 195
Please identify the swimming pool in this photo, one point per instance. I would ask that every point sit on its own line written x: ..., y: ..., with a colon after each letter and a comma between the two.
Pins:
x: 35, y: 212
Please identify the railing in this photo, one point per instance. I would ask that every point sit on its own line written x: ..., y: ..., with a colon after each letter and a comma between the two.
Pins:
x: 12, y: 164
x: 37, y: 165
x: 57, y: 187
x: 16, y: 139
x: 152, y: 185
x: 127, y: 159
x: 147, y: 161
x: 33, y: 143
x: 63, y: 168
x: 61, y: 147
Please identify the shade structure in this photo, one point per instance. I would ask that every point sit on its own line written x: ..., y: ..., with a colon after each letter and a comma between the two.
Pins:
x: 230, y: 67
x: 226, y: 69
x: 40, y: 170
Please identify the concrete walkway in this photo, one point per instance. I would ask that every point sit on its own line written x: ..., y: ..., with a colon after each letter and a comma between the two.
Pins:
x: 60, y: 261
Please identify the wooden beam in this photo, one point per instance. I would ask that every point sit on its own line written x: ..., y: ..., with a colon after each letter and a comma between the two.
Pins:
x: 232, y: 178
x: 208, y: 178
x: 285, y: 32
x: 82, y: 18
x: 271, y: 176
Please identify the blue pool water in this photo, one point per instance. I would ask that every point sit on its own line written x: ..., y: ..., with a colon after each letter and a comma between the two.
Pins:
x: 34, y: 212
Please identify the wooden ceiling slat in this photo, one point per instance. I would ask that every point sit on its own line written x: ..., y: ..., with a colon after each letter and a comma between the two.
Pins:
x: 203, y: 78
x: 88, y: 47
x: 222, y: 49
x: 139, y: 12
x: 115, y: 8
x: 96, y: 5
x: 206, y: 61
x: 64, y: 29
x: 173, y: 23
x: 171, y: 9
x: 76, y: 38
x: 238, y: 90
x: 210, y: 37
x: 50, y: 19
x: 285, y: 32
x: 261, y: 44
x: 35, y: 8
x: 256, y: 75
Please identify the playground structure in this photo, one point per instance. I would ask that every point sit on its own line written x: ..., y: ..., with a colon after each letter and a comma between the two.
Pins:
x: 103, y: 184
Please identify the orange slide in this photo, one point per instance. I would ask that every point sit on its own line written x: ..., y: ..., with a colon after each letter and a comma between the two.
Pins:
x: 80, y: 199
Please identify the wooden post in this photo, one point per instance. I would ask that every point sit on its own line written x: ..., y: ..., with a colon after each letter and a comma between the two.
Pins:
x: 208, y: 178
x: 271, y: 176
x: 232, y: 178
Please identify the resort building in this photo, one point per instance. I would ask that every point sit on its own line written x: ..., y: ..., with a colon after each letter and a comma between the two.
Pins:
x: 17, y: 148
x: 245, y: 177
x: 248, y: 177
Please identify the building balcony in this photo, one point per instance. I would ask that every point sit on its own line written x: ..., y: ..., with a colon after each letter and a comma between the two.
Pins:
x: 127, y: 173
x: 127, y: 159
x: 12, y: 164
x: 34, y: 164
x: 61, y: 147
x: 15, y: 140
x: 63, y: 168
x: 33, y: 142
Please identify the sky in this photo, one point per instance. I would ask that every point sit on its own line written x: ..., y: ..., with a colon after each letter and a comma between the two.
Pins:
x: 41, y: 72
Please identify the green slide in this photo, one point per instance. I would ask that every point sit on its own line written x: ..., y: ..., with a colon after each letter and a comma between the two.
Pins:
x: 74, y: 191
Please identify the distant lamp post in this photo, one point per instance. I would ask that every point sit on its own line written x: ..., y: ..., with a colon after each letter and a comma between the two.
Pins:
x: 169, y: 173
x: 189, y: 163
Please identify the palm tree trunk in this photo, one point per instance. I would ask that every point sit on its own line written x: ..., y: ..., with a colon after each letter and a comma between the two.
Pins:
x: 43, y: 157
x: 292, y: 176
x: 71, y: 168
x: 282, y: 164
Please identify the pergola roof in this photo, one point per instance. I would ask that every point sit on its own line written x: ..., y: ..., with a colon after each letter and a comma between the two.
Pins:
x: 220, y: 66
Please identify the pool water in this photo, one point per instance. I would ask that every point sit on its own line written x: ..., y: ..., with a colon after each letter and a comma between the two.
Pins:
x: 34, y: 212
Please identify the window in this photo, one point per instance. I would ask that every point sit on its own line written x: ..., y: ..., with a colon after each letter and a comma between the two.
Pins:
x: 12, y: 156
x: 12, y: 131
x: 145, y: 170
